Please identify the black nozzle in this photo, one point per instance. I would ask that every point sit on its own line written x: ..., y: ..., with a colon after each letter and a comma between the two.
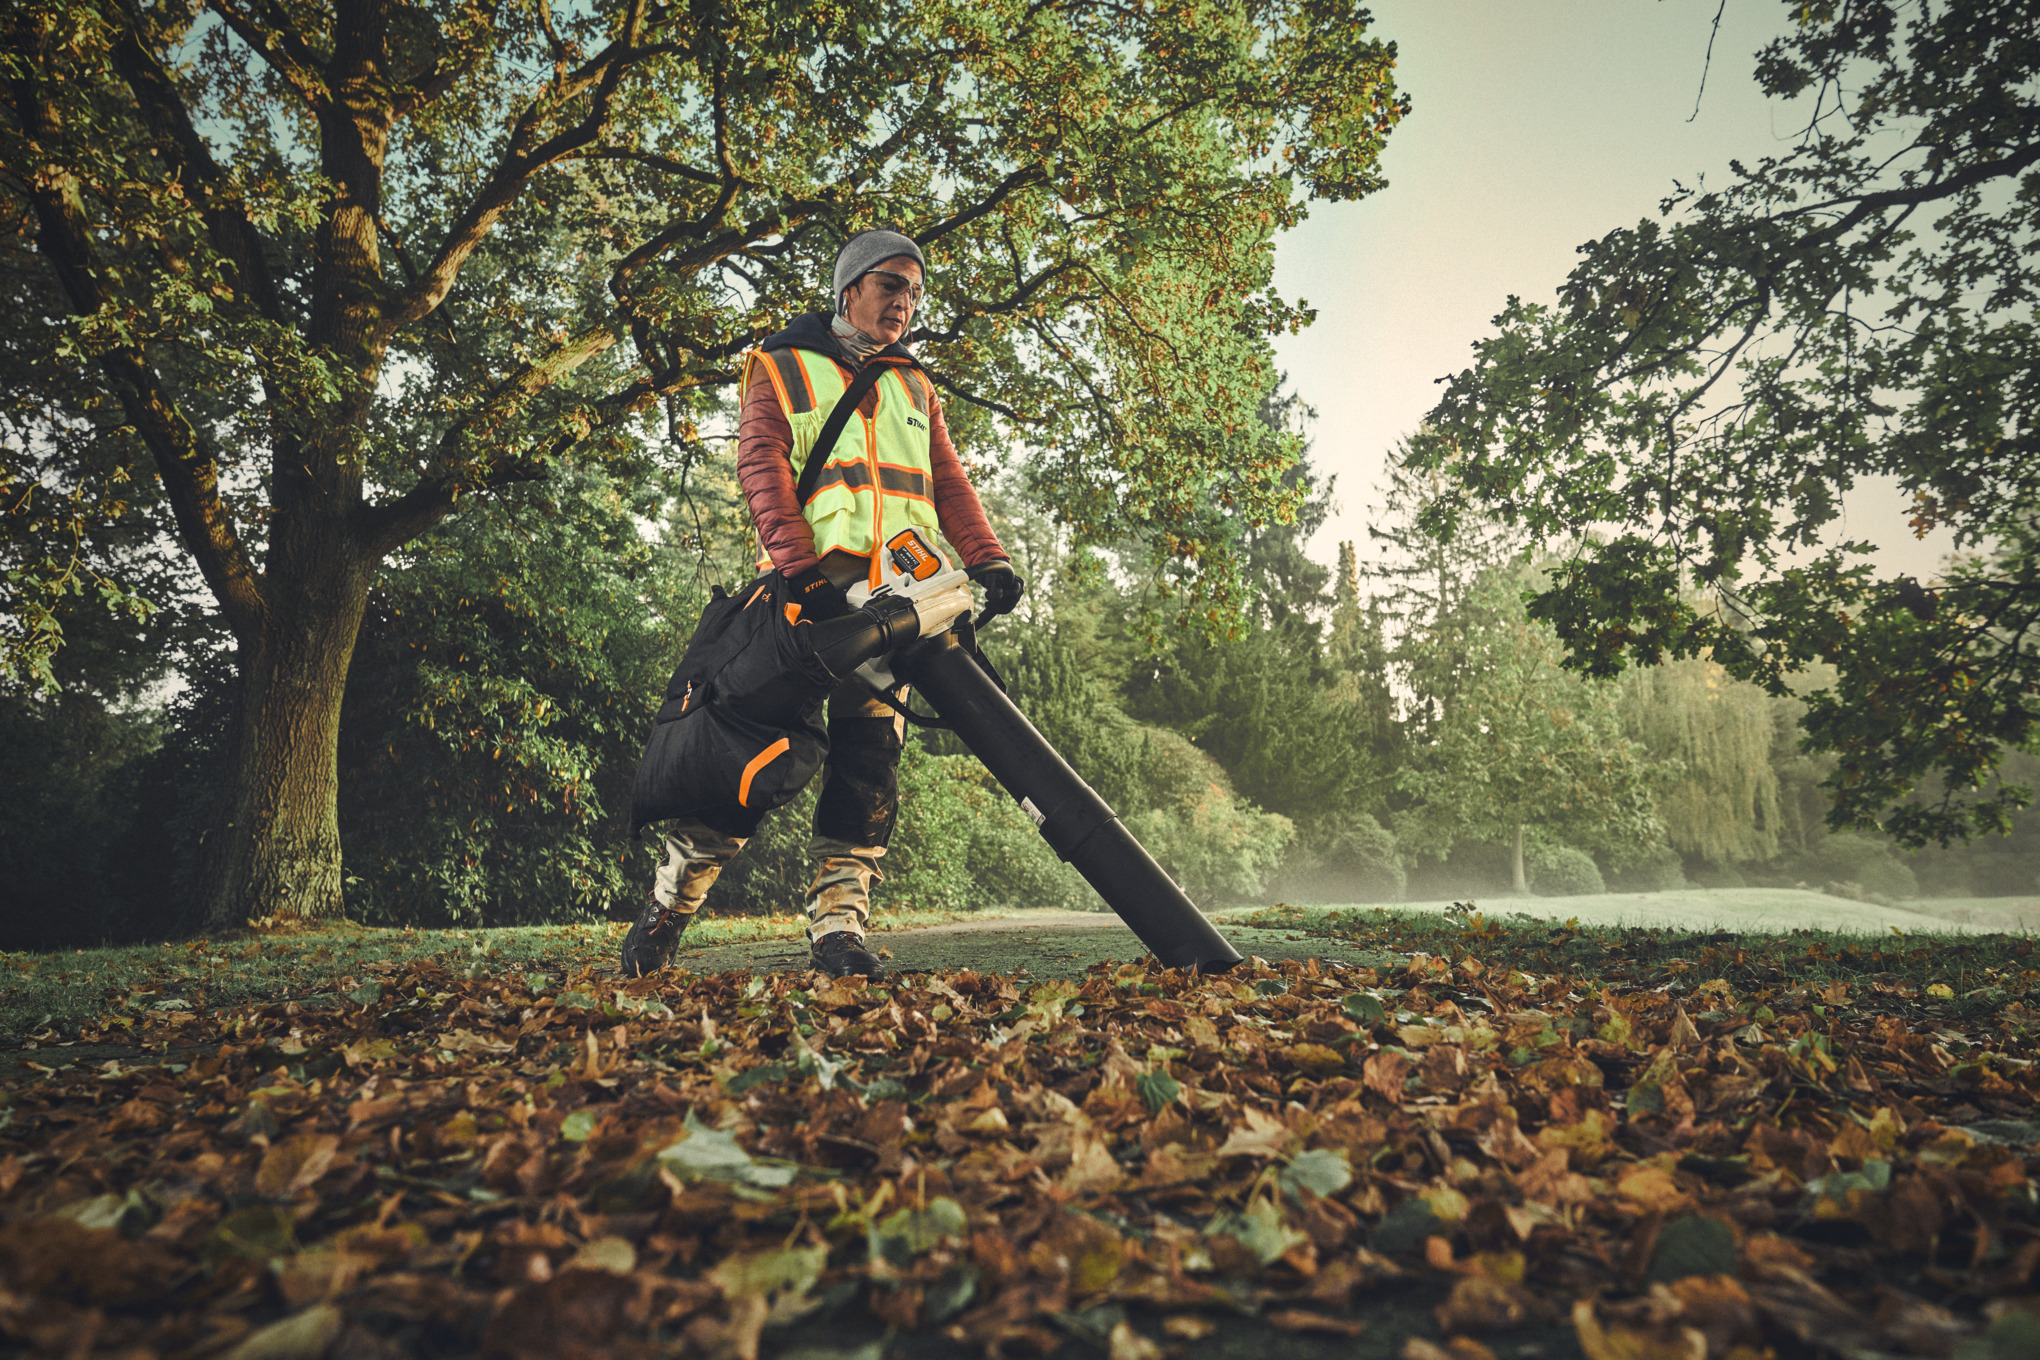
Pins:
x: 1079, y: 825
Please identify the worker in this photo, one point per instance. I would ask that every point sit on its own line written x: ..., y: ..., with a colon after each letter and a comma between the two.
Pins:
x: 893, y: 467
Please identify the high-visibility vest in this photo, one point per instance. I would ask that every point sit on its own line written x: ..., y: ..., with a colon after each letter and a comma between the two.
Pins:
x: 879, y: 478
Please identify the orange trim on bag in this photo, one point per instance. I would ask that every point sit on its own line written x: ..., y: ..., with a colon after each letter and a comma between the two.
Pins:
x: 759, y: 762
x: 754, y: 597
x: 793, y: 613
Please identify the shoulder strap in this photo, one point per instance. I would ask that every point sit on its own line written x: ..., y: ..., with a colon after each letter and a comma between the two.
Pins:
x: 839, y: 416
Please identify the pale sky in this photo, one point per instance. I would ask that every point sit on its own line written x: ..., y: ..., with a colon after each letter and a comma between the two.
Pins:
x: 1536, y: 125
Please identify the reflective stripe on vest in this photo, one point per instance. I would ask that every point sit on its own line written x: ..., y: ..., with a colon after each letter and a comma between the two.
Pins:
x: 879, y: 478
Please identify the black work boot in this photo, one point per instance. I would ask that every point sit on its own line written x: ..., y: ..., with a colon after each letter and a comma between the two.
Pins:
x: 649, y: 946
x: 842, y: 954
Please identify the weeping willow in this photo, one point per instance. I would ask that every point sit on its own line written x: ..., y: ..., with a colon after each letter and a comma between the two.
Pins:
x: 1724, y: 806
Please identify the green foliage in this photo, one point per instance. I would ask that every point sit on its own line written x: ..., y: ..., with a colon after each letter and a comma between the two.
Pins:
x: 1520, y: 742
x: 1267, y: 708
x: 1723, y: 804
x: 1299, y: 715
x: 1868, y: 864
x: 91, y: 790
x: 1343, y: 856
x: 1561, y: 871
x: 1218, y: 850
x: 294, y: 287
x: 1101, y: 196
x: 504, y: 685
x: 1709, y: 385
x: 1655, y: 868
x: 1992, y: 866
x: 963, y: 844
x: 68, y: 767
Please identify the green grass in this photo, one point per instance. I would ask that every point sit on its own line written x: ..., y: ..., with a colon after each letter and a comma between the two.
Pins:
x: 1981, y: 969
x: 54, y: 991
x: 1747, y: 910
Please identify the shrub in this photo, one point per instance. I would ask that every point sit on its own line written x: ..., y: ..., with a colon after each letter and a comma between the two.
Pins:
x: 496, y: 707
x: 1473, y: 869
x: 1657, y: 868
x: 1869, y: 863
x: 1219, y: 850
x: 1718, y: 876
x: 1344, y: 858
x: 1561, y: 871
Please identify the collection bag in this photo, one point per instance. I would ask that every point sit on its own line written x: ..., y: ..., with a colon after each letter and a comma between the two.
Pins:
x: 740, y: 731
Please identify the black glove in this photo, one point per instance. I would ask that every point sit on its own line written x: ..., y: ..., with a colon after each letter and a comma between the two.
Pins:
x: 1003, y: 588
x: 819, y: 598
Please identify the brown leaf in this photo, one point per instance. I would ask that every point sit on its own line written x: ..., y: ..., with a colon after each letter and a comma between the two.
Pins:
x: 576, y: 1315
x: 1548, y: 1182
x: 59, y: 1259
x: 1080, y: 1249
x: 1628, y: 1341
x: 1717, y: 1305
x: 1455, y: 1348
x: 1092, y: 1165
x: 304, y: 1336
x: 1480, y: 1303
x: 318, y: 1274
x: 138, y: 1116
x: 1384, y: 1074
x: 1909, y: 1219
x: 295, y: 1163
x: 1913, y: 1326
x: 1318, y: 1060
x: 1127, y: 1344
x: 1261, y: 1135
x: 1497, y: 1134
x: 1301, y: 1320
x: 1444, y: 1067
x: 1654, y: 1188
x: 1174, y: 1164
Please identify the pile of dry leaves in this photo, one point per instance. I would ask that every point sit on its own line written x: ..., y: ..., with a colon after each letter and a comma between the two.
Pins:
x: 452, y: 1162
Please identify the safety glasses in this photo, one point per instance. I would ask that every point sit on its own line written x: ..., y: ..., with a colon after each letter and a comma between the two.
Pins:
x: 891, y: 285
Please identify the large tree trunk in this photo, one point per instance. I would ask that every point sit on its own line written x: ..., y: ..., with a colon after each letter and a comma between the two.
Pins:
x: 272, y: 849
x: 1518, y: 880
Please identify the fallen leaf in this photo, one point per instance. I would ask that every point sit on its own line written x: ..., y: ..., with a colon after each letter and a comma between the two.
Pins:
x: 302, y: 1336
x: 1301, y: 1320
x: 1127, y: 1344
x: 1623, y: 1342
x: 295, y: 1163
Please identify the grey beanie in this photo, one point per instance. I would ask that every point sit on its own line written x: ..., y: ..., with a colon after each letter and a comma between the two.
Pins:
x: 866, y: 251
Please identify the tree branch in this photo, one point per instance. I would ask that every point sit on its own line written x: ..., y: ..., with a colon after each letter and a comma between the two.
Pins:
x: 1932, y: 191
x: 998, y: 408
x: 388, y: 526
x: 663, y: 164
x: 285, y: 52
x: 178, y: 142
x: 522, y: 159
x: 1005, y: 189
x: 445, y: 72
x: 190, y: 474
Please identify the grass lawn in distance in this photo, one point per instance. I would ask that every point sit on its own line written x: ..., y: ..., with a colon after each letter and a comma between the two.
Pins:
x: 1742, y: 910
